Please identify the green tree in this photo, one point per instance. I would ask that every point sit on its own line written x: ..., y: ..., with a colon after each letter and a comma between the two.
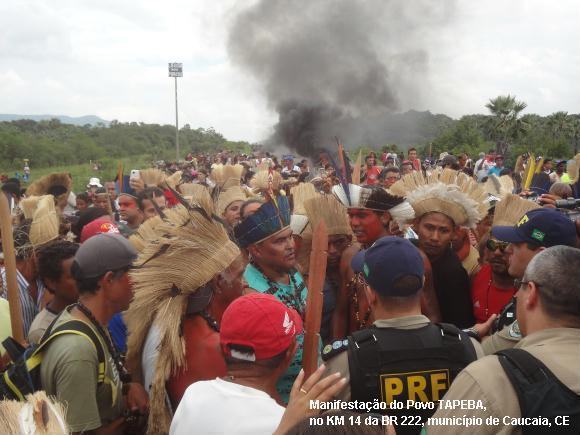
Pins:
x: 506, y: 123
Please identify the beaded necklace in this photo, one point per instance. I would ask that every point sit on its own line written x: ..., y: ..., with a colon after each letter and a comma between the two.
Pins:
x: 115, y: 354
x: 293, y: 300
x: 354, y: 284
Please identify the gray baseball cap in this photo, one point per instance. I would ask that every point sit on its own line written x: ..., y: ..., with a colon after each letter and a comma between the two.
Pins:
x: 103, y: 253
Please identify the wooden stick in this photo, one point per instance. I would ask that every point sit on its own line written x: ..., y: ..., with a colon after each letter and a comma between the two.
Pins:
x: 13, y: 295
x: 318, y: 258
x: 356, y: 170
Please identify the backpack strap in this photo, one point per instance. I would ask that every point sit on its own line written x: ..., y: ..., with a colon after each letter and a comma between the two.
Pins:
x: 539, y: 391
x: 77, y: 327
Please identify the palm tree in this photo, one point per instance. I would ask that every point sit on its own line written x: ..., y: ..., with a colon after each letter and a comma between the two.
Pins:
x: 508, y: 126
x: 559, y: 124
x: 574, y: 132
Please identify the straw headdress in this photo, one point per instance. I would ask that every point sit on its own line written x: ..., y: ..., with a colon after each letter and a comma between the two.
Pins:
x: 510, y: 210
x: 449, y: 192
x: 300, y: 194
x: 28, y: 206
x: 227, y: 196
x: 152, y: 176
x: 333, y: 213
x: 156, y: 177
x: 266, y: 179
x: 174, y: 179
x: 225, y: 176
x: 573, y: 169
x: 145, y: 233
x: 162, y: 282
x: 55, y: 184
x: 197, y: 193
x: 45, y: 221
x: 499, y: 186
x: 38, y: 415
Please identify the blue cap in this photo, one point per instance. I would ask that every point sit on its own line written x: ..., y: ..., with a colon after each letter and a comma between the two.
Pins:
x: 542, y: 226
x: 388, y: 260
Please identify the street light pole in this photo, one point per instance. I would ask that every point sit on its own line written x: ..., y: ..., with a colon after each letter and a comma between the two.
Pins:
x: 176, y: 125
x: 176, y: 70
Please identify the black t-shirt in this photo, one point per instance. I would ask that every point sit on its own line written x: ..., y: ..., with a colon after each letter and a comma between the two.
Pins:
x: 451, y: 284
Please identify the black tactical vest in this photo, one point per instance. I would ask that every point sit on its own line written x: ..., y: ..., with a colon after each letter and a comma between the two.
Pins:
x: 400, y: 365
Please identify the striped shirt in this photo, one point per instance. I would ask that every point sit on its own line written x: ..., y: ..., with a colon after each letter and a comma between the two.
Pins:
x: 28, y: 305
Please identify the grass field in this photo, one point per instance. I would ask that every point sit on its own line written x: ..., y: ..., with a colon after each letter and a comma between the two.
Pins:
x: 81, y: 173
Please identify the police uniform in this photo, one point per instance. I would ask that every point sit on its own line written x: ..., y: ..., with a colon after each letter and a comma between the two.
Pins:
x: 486, y: 380
x: 505, y: 338
x: 336, y: 359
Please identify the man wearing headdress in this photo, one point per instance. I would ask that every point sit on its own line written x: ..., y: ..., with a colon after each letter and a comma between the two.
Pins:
x: 267, y: 236
x: 372, y: 211
x: 187, y: 273
x: 443, y: 203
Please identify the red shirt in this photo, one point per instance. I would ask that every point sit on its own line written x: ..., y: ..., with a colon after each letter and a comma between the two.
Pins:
x: 487, y: 298
x: 373, y: 175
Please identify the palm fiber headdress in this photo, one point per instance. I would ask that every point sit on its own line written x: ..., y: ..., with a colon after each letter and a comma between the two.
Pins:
x: 190, y: 249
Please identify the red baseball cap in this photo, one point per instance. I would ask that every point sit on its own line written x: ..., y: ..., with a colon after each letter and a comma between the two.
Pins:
x: 102, y: 225
x: 260, y: 322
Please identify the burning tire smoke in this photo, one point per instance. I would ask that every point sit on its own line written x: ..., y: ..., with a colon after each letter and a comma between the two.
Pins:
x: 337, y: 67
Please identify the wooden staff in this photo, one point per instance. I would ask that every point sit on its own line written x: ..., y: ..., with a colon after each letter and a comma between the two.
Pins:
x: 120, y: 176
x: 356, y: 170
x: 10, y: 268
x: 318, y: 257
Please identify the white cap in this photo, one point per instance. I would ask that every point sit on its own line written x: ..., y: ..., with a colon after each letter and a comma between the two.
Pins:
x: 94, y: 182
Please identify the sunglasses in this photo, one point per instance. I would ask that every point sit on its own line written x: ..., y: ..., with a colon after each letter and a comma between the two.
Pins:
x: 492, y: 245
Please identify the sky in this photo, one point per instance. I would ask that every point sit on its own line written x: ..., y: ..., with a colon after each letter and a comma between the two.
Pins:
x: 109, y: 58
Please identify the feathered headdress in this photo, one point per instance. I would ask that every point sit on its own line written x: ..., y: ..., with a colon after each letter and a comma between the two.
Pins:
x: 377, y: 199
x: 510, y: 210
x: 162, y: 281
x: 153, y: 177
x: 449, y: 192
x: 271, y: 218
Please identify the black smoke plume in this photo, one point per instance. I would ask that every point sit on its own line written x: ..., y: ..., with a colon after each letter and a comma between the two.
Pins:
x: 337, y: 67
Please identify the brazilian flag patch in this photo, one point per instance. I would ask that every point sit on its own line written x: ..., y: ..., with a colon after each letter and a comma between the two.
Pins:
x: 538, y: 235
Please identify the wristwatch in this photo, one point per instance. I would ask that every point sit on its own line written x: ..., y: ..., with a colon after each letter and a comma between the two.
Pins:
x: 472, y: 332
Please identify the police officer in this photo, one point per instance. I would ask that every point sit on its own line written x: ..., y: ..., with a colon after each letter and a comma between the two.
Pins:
x: 537, y: 388
x: 403, y: 356
x: 535, y: 231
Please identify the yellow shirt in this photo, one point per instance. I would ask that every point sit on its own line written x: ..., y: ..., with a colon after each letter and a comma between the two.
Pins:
x: 5, y: 326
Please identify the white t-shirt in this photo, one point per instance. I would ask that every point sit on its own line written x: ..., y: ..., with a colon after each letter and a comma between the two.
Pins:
x: 222, y: 407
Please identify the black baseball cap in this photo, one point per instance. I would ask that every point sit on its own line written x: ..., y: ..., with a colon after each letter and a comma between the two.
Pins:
x: 542, y: 226
x: 103, y: 253
x: 388, y: 260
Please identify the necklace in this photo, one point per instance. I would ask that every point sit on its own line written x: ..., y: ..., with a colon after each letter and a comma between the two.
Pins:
x: 212, y: 323
x: 356, y: 281
x: 115, y: 354
x: 293, y: 300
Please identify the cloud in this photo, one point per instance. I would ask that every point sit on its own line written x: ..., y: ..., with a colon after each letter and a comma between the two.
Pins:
x: 109, y: 58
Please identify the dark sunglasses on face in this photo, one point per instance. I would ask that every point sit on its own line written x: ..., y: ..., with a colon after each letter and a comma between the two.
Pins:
x: 492, y: 245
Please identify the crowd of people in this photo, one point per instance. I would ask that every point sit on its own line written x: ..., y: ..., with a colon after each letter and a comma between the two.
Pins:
x: 174, y: 299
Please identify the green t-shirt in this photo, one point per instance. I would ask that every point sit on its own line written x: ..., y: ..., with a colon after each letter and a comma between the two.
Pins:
x: 69, y: 371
